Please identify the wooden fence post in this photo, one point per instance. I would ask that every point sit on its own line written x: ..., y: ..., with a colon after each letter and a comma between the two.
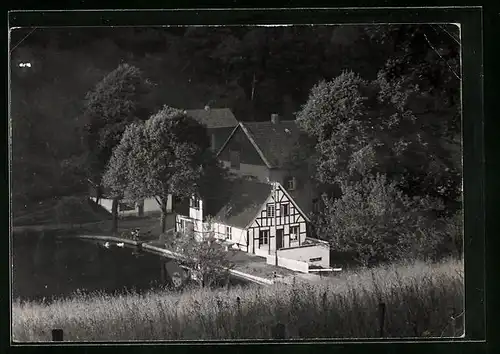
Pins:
x: 57, y: 335
x: 381, y: 311
x: 324, y: 302
x: 238, y: 317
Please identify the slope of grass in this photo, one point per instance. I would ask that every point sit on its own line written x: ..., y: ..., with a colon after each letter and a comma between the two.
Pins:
x: 420, y: 301
x: 47, y: 212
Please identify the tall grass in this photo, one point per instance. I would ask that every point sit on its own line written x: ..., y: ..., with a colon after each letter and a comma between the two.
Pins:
x: 420, y: 300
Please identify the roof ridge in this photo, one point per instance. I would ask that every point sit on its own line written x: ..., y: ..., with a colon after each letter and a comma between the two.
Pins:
x: 211, y: 109
x: 254, y: 143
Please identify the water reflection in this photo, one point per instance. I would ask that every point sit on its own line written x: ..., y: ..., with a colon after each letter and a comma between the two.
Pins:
x: 47, y: 266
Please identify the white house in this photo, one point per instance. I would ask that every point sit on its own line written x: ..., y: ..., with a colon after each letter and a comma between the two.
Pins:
x: 148, y: 206
x: 258, y: 218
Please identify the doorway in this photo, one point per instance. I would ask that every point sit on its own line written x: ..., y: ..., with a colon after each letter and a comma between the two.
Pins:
x: 279, y: 238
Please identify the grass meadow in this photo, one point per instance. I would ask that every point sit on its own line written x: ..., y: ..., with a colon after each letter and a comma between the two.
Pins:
x: 421, y: 300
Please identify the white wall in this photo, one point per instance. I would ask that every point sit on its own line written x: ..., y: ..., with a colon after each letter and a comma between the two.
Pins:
x: 150, y: 206
x: 105, y: 203
x: 292, y: 264
x: 196, y: 214
x: 238, y: 236
x: 305, y: 253
x: 108, y: 205
x: 261, y: 172
x: 262, y: 252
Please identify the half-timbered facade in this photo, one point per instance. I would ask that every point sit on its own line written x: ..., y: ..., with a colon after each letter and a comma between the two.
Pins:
x: 255, y: 217
x: 280, y: 223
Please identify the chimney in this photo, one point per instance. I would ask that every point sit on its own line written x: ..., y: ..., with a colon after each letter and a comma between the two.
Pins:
x: 275, y: 118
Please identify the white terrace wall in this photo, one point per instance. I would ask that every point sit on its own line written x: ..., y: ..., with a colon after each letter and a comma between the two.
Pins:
x: 108, y: 205
x: 307, y: 253
x: 262, y: 252
x: 105, y: 203
x: 150, y: 206
x: 292, y: 264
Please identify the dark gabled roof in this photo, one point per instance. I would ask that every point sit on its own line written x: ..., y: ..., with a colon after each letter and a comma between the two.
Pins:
x: 214, y: 117
x: 273, y: 141
x: 238, y: 204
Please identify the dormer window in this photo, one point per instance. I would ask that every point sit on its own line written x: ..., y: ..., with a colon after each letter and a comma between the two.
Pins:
x: 291, y: 183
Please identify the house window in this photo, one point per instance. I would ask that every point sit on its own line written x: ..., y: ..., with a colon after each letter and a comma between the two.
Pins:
x: 228, y: 232
x: 124, y: 206
x: 195, y: 203
x: 294, y: 233
x: 189, y: 226
x: 182, y: 225
x: 263, y: 237
x: 270, y: 211
x: 234, y: 157
x: 291, y: 183
x: 285, y: 209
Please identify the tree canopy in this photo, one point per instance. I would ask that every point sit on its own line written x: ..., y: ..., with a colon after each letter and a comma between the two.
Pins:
x: 115, y: 102
x: 387, y: 150
x: 166, y: 155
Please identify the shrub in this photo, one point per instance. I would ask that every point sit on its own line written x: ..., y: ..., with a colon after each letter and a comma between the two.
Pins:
x: 377, y: 221
x: 451, y: 230
x: 208, y: 259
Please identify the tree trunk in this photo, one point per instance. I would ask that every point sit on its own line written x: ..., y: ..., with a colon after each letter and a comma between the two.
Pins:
x: 141, y: 208
x: 98, y: 194
x: 114, y: 211
x: 163, y: 215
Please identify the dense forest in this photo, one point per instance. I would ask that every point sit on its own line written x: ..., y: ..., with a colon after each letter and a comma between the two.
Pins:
x: 255, y: 71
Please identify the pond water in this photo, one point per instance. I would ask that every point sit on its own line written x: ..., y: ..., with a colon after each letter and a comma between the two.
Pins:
x: 48, y: 266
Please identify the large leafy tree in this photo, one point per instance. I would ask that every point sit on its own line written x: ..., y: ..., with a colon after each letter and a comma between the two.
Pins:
x: 375, y: 221
x: 166, y: 155
x: 394, y: 124
x: 422, y: 81
x: 273, y: 67
x: 403, y: 125
x: 115, y: 102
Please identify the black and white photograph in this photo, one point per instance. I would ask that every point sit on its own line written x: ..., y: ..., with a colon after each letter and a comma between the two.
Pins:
x: 236, y: 182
